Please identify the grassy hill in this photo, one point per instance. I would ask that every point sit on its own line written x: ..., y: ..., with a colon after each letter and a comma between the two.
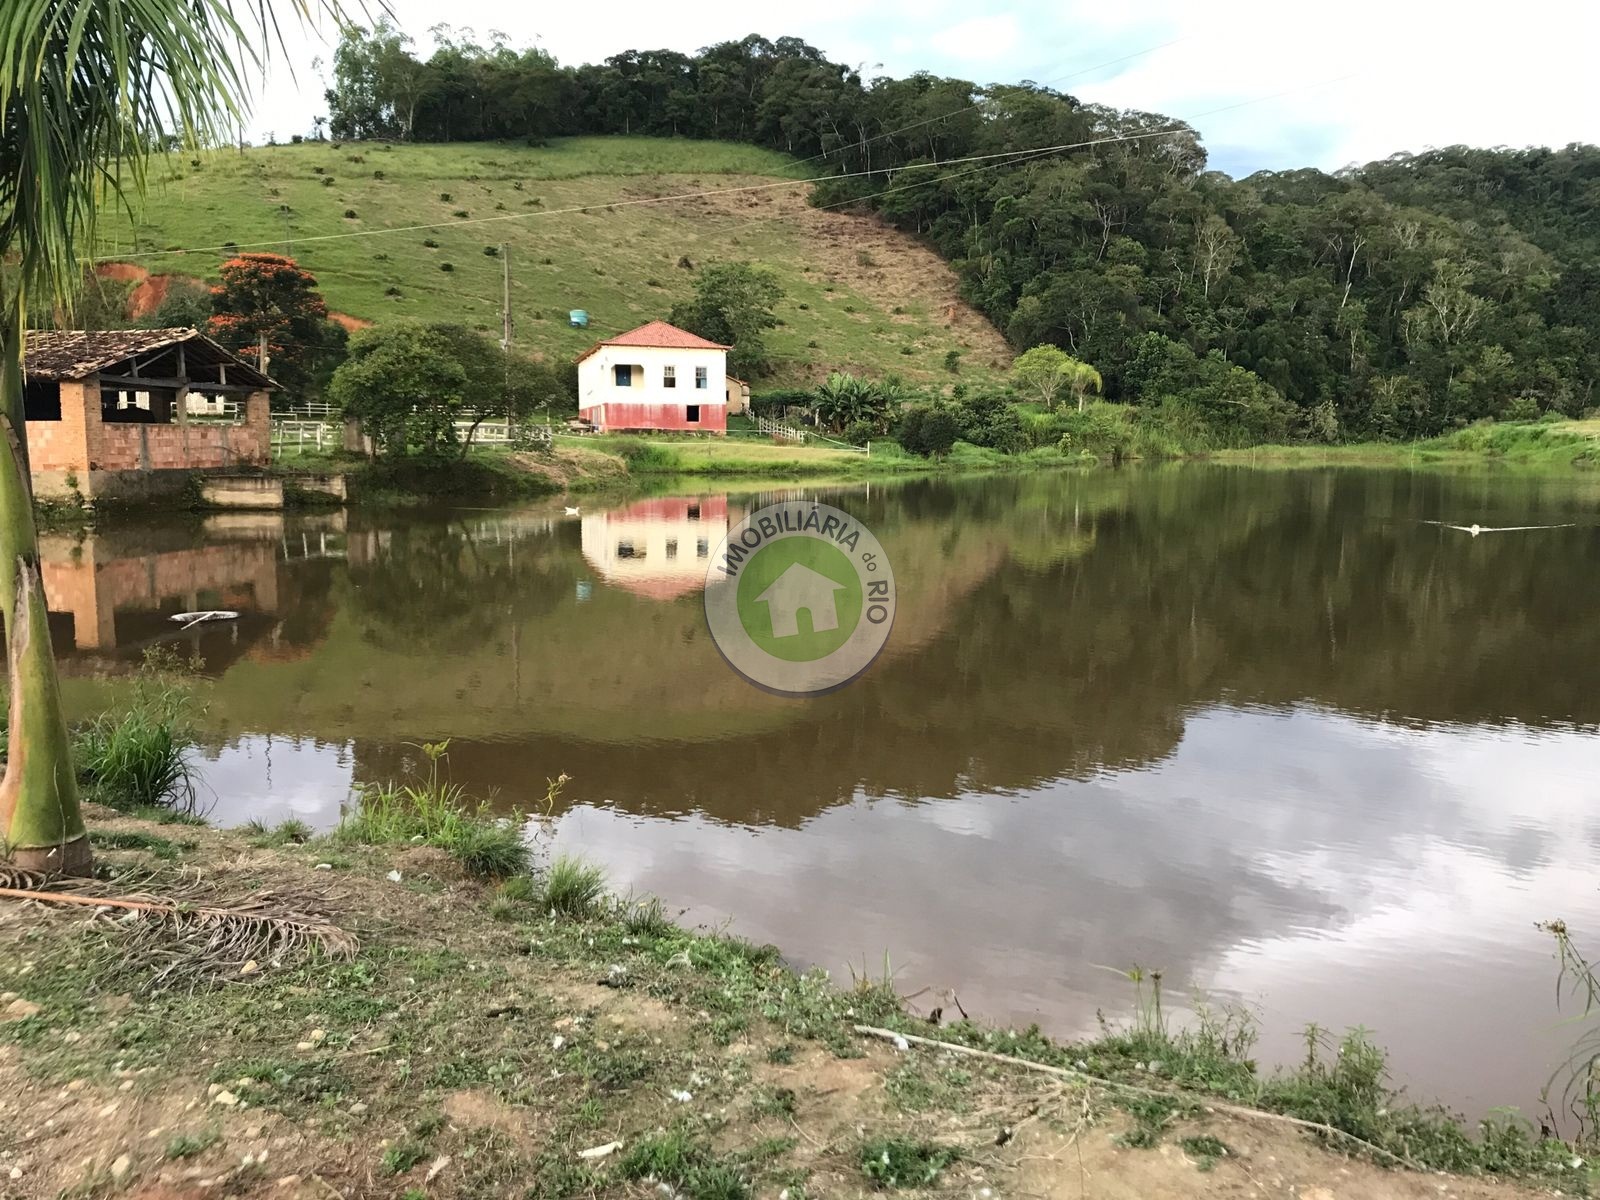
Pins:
x: 859, y: 296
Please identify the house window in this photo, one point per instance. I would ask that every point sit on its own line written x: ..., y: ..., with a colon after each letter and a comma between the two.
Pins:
x: 41, y: 400
x: 700, y: 380
x: 623, y: 376
x: 694, y: 412
x: 669, y: 377
x: 702, y: 548
x: 672, y: 547
x: 694, y: 512
x: 626, y: 549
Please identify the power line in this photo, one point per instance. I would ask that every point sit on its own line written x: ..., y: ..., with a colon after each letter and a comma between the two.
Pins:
x: 878, y: 137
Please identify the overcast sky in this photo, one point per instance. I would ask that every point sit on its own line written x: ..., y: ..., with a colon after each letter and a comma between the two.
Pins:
x: 1298, y: 85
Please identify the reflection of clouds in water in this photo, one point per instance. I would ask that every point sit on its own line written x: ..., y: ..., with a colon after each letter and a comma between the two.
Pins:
x: 1328, y: 868
x: 271, y: 779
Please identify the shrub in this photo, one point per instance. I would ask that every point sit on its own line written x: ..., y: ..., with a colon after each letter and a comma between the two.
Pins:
x: 952, y: 361
x: 377, y: 174
x: 445, y: 197
x: 491, y: 251
x: 391, y: 290
x: 572, y: 887
x: 928, y: 429
x: 1523, y: 408
x: 430, y: 243
x: 349, y: 214
x: 462, y: 213
x: 328, y: 181
x: 445, y: 266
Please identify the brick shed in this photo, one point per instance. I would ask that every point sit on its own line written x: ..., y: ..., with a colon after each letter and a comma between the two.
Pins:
x: 131, y: 412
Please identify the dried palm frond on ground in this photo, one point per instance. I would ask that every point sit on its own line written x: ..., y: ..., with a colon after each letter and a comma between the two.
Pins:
x: 175, y: 931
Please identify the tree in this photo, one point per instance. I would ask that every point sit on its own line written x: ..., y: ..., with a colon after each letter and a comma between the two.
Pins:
x: 1047, y: 371
x: 733, y: 304
x: 268, y: 298
x: 86, y: 90
x: 186, y: 305
x: 406, y: 383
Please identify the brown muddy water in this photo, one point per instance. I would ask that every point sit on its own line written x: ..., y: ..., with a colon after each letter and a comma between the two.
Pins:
x: 1268, y: 732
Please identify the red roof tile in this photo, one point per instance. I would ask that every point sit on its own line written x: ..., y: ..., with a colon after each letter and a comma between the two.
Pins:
x: 657, y: 334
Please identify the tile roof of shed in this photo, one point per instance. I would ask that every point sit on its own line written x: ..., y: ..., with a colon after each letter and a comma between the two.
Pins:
x: 77, y: 353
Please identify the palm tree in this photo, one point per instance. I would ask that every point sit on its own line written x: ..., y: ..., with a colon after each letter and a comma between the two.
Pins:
x: 1083, y: 378
x: 88, y: 88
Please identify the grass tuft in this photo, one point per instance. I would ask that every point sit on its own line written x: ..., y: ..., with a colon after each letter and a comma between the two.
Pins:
x: 896, y: 1162
x: 187, y: 1145
x: 436, y: 812
x: 573, y: 887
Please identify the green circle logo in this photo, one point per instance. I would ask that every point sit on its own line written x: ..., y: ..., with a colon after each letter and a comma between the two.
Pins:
x: 799, y: 598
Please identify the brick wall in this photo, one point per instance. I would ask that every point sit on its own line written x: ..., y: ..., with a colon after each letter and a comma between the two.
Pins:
x: 63, y: 445
x: 202, y: 446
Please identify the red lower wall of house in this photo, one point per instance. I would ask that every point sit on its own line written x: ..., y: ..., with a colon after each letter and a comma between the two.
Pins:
x: 713, y: 417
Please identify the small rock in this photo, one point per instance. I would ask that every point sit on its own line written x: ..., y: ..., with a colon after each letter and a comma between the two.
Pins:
x: 70, y: 1037
x: 557, y: 1042
x: 357, y: 1109
x: 317, y: 1036
x: 320, y: 867
x: 681, y: 1097
x: 285, y: 1181
x: 900, y: 1043
x: 15, y: 1173
x: 393, y: 877
x: 121, y: 1168
x: 20, y: 1009
x: 76, y: 1085
x: 226, y: 1099
x: 250, y: 968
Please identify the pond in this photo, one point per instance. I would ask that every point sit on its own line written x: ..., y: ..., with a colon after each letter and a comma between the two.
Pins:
x: 1271, y: 733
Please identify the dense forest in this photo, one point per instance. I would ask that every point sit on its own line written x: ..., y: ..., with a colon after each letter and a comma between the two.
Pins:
x: 1398, y: 299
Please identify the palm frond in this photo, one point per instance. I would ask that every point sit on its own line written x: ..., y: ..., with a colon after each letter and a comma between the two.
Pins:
x: 89, y: 89
x: 184, y: 933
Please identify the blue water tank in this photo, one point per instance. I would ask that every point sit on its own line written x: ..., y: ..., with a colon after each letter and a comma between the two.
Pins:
x: 579, y: 318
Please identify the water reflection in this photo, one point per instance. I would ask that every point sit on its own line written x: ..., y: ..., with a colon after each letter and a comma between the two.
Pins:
x: 1269, y: 732
x: 656, y: 548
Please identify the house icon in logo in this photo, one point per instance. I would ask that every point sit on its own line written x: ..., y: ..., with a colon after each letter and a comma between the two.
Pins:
x: 801, y: 587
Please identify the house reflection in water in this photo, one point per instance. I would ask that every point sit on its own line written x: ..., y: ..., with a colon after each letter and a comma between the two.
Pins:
x: 114, y: 596
x: 657, y: 548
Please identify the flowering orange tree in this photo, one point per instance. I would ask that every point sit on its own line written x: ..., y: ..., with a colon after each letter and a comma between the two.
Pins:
x: 270, y: 296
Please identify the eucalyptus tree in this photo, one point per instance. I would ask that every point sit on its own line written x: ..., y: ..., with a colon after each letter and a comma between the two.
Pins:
x: 88, y: 90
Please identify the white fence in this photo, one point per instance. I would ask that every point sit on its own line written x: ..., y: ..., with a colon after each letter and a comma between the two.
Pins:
x: 778, y: 430
x: 297, y: 434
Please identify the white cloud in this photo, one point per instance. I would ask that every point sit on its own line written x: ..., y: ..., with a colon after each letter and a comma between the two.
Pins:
x: 985, y: 40
x: 1481, y: 74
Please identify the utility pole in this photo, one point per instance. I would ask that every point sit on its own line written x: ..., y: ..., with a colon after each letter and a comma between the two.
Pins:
x: 261, y: 354
x: 505, y: 298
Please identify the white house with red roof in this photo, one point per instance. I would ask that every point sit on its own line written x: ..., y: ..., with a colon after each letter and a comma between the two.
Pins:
x: 655, y: 377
